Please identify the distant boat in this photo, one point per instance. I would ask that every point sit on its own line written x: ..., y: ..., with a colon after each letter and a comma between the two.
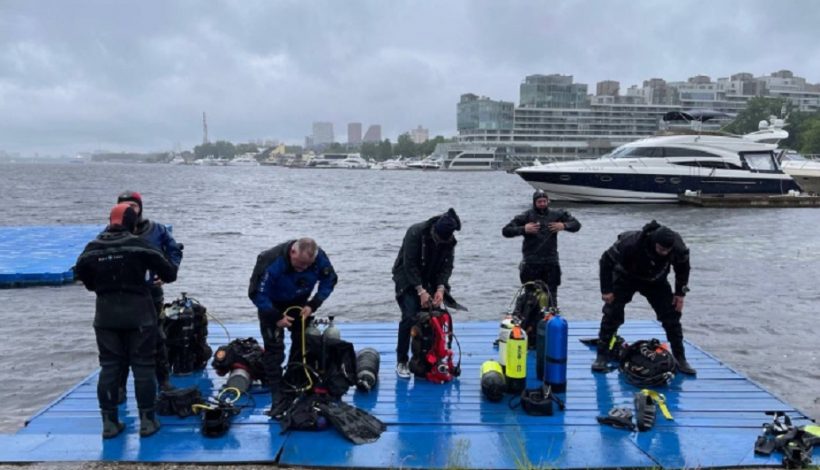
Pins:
x: 427, y: 163
x: 177, y: 160
x: 339, y: 161
x: 804, y: 171
x: 244, y: 160
x: 472, y: 160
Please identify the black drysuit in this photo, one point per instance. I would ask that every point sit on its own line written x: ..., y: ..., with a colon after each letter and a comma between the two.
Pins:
x: 115, y: 266
x: 540, y: 250
x: 632, y: 265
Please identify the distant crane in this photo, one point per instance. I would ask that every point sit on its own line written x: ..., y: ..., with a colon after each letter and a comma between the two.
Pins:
x: 204, y: 129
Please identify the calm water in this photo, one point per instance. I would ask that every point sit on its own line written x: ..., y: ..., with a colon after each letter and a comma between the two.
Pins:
x: 754, y: 299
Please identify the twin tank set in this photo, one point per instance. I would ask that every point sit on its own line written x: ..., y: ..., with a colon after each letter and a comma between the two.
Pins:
x: 509, y: 373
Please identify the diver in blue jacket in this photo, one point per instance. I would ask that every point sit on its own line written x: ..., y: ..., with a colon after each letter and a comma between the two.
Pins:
x: 281, y: 286
x: 159, y: 237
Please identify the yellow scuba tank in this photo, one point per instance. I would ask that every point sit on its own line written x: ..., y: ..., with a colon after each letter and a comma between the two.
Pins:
x: 504, y: 330
x: 492, y: 380
x: 516, y: 367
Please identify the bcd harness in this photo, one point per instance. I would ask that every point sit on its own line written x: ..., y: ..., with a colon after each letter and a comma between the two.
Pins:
x: 184, y: 323
x: 530, y: 302
x: 431, y: 343
x: 796, y: 443
x: 315, y: 386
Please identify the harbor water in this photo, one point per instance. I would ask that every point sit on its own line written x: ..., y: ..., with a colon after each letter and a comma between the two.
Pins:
x: 754, y: 285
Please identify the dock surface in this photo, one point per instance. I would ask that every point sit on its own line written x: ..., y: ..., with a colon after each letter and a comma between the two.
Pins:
x: 750, y: 200
x: 42, y: 255
x: 717, y: 417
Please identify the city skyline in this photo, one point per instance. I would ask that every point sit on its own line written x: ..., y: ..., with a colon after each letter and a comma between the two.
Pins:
x: 139, y: 78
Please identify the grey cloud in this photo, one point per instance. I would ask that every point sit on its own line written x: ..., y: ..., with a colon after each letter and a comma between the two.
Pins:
x: 137, y: 76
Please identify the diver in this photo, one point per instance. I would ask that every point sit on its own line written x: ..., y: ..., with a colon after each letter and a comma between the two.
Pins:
x: 114, y: 265
x: 160, y: 238
x: 281, y: 285
x: 640, y: 261
x: 540, y: 226
x: 424, y: 265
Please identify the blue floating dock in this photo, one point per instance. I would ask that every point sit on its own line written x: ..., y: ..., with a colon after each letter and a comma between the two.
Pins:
x: 41, y: 255
x: 717, y: 417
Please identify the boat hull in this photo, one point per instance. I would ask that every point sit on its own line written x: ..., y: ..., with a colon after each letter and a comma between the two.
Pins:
x: 649, y: 188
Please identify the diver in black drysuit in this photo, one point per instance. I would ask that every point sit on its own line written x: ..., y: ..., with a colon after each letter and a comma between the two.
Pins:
x: 640, y: 261
x: 540, y: 226
x: 114, y: 266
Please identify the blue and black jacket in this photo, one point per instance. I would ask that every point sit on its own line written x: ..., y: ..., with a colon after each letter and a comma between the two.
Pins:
x: 275, y: 285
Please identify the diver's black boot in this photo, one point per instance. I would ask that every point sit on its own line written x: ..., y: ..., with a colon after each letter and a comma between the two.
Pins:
x: 112, y: 426
x: 601, y: 363
x: 149, y: 423
x: 683, y: 364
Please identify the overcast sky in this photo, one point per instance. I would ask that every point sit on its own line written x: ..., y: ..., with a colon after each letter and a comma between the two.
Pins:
x: 136, y: 76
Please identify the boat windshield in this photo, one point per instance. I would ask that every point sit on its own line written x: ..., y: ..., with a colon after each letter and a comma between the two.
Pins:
x: 761, y: 161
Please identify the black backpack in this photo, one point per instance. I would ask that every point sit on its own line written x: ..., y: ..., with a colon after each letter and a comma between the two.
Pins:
x: 184, y: 324
x: 647, y: 363
x: 533, y: 297
x: 246, y: 352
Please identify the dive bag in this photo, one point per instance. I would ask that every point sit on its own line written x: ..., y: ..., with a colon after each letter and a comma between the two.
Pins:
x: 648, y: 363
x: 178, y: 401
x: 184, y: 324
x: 329, y: 367
x: 431, y: 342
x: 537, y: 401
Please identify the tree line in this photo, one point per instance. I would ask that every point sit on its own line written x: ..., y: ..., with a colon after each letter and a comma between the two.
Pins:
x: 375, y: 150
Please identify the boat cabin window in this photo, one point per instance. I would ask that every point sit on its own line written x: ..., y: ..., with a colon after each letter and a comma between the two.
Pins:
x: 759, y: 161
x: 683, y: 152
x: 793, y: 156
x: 637, y: 152
x: 723, y: 165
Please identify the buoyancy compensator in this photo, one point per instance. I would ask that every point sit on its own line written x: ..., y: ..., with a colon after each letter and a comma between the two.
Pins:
x: 531, y: 303
x: 431, y: 344
x: 184, y: 323
x: 648, y: 363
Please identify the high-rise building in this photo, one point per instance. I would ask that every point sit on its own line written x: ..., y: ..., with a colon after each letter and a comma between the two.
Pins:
x: 373, y: 134
x: 607, y: 88
x: 479, y: 112
x: 552, y: 91
x: 322, y: 133
x: 354, y: 133
x: 419, y: 135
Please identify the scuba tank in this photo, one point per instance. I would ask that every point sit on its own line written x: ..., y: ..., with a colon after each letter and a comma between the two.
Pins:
x: 555, y: 364
x: 367, y: 369
x: 312, y: 329
x: 331, y: 332
x: 504, y: 330
x: 492, y: 380
x: 541, y: 342
x: 184, y: 365
x: 516, y: 368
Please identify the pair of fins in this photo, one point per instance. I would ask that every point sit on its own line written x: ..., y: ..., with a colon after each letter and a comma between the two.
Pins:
x: 645, y: 410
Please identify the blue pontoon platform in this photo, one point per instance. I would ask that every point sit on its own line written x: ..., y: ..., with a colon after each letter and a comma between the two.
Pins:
x: 41, y: 255
x: 717, y: 417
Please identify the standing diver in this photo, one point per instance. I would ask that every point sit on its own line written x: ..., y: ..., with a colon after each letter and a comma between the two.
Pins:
x: 540, y: 226
x: 282, y: 281
x: 160, y: 238
x: 114, y: 266
x: 639, y: 261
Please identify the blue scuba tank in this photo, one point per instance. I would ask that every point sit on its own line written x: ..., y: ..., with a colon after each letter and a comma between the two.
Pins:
x: 541, y: 343
x: 555, y: 363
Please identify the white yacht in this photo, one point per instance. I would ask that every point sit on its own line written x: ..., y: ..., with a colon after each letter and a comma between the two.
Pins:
x: 658, y: 169
x: 391, y: 164
x: 177, y: 160
x: 804, y: 171
x: 472, y: 160
x: 426, y: 163
x: 246, y: 159
x: 339, y: 160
